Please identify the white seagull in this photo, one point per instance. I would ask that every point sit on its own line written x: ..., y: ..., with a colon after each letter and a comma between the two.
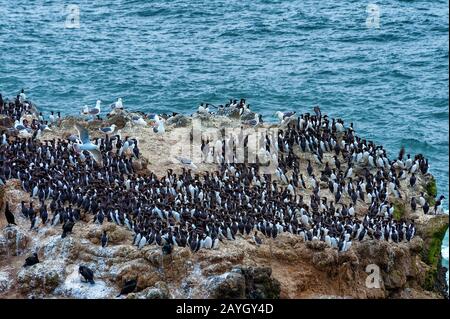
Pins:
x: 86, y: 144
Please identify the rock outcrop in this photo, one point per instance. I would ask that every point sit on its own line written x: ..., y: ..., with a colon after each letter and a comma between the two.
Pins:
x: 41, y: 279
x: 281, y: 268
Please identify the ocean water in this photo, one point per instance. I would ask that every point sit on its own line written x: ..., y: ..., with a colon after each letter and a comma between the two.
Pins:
x: 391, y: 81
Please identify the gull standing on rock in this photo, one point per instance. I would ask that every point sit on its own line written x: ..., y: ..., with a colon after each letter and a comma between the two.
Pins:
x: 117, y: 105
x: 108, y: 129
x: 96, y: 109
x: 159, y: 128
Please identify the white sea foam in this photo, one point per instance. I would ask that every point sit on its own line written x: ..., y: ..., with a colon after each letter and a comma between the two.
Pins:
x: 445, y: 253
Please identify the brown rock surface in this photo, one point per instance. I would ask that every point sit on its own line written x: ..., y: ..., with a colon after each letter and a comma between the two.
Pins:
x: 285, y: 267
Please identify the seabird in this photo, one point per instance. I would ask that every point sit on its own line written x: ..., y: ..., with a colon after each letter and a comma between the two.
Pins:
x: 96, y: 109
x: 31, y: 260
x: 86, y: 144
x: 138, y: 120
x: 282, y: 116
x: 104, y: 239
x: 128, y: 287
x: 117, y: 105
x: 159, y: 127
x: 108, y: 129
x: 9, y: 215
x: 257, y: 240
x: 67, y: 228
x: 167, y: 249
x: 87, y: 274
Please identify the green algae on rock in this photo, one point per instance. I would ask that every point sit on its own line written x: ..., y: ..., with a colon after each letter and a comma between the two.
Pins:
x: 399, y: 210
x: 431, y: 191
x: 433, y: 232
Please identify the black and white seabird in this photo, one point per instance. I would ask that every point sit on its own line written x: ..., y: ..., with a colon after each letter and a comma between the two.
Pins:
x: 87, y: 274
x: 128, y: 287
x: 9, y: 215
x: 31, y: 260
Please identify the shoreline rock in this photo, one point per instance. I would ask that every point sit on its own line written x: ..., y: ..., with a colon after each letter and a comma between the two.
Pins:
x: 282, y: 268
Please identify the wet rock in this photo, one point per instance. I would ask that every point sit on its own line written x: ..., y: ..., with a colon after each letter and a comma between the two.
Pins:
x: 442, y: 285
x: 43, y: 277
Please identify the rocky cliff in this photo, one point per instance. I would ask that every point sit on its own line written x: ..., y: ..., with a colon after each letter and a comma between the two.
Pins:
x: 284, y: 267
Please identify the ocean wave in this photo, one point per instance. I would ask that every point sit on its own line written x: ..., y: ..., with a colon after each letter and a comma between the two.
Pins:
x: 152, y: 12
x: 412, y: 143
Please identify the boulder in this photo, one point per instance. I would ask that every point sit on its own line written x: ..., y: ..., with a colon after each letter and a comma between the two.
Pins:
x: 230, y: 285
x: 55, y: 247
x: 74, y: 287
x: 159, y: 291
x: 259, y: 283
x: 15, y: 239
x: 41, y: 278
x: 116, y: 234
x: 119, y: 119
x: 179, y: 120
x: 138, y: 269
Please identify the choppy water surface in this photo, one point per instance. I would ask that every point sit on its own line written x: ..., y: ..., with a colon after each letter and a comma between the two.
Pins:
x: 392, y: 81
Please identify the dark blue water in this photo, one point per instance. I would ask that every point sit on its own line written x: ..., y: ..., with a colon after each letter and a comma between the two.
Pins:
x: 392, y: 82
